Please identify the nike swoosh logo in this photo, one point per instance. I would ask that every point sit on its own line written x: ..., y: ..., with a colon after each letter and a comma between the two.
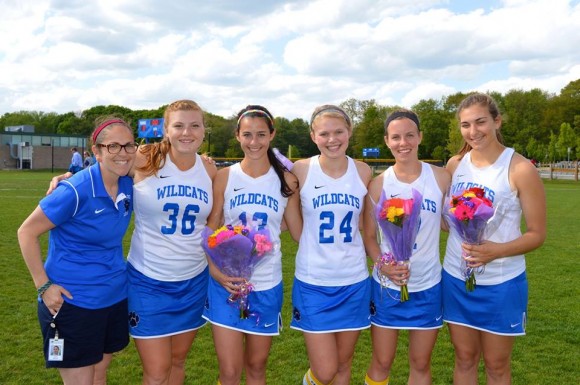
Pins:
x: 438, y: 318
x: 238, y: 189
x: 268, y: 325
x: 97, y: 211
x: 514, y: 325
x: 164, y: 176
x: 317, y: 187
x: 394, y: 195
x: 460, y: 175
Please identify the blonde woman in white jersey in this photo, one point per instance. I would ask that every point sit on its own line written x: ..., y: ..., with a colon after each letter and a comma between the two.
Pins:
x: 422, y: 313
x: 485, y: 321
x: 167, y: 267
x: 331, y: 292
x: 261, y: 193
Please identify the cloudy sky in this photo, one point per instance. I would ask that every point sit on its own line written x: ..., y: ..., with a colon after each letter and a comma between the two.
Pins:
x: 69, y: 55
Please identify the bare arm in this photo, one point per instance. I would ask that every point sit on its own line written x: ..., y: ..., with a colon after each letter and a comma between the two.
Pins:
x: 525, y: 179
x: 396, y: 273
x: 214, y: 221
x: 28, y: 238
x: 369, y: 233
x: 443, y: 178
x: 365, y: 174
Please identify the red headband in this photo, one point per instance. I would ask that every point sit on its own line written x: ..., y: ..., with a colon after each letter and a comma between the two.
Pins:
x: 105, y: 124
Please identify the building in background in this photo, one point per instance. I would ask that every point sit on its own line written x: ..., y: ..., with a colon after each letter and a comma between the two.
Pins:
x: 22, y: 148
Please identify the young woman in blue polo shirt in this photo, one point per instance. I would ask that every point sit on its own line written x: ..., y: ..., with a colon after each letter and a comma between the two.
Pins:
x: 82, y: 286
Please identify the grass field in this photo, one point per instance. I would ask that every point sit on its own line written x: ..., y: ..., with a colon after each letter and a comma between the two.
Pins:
x: 549, y: 354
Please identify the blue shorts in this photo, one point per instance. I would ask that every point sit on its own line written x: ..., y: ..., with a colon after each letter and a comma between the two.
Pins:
x: 87, y: 333
x: 160, y: 309
x: 329, y: 309
x: 265, y: 308
x: 422, y: 311
x: 498, y: 309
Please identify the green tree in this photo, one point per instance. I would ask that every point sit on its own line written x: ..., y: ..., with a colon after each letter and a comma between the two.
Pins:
x: 356, y: 108
x: 537, y: 150
x: 564, y: 107
x: 552, y: 148
x: 434, y: 120
x: 369, y: 132
x: 219, y: 132
x: 566, y: 143
x: 522, y: 113
x: 71, y: 124
x: 455, y: 140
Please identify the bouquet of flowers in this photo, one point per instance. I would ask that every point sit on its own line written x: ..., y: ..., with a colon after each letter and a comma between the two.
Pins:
x: 399, y: 221
x: 236, y: 250
x: 469, y: 213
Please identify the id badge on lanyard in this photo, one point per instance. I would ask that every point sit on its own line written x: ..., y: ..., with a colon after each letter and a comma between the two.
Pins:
x: 55, y: 345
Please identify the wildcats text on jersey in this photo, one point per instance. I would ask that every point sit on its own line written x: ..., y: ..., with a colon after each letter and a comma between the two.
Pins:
x: 336, y: 199
x: 181, y: 190
x: 461, y: 186
x: 254, y: 199
x: 429, y: 205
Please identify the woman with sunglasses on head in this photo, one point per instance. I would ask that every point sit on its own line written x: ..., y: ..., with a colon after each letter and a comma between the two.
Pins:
x: 261, y: 193
x: 82, y: 286
x: 331, y: 292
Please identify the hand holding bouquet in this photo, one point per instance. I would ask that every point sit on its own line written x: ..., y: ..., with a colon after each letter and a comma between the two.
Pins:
x: 469, y: 213
x: 235, y: 250
x: 398, y: 220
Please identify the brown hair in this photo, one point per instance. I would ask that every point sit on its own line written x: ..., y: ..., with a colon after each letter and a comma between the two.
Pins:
x: 483, y: 100
x: 155, y: 153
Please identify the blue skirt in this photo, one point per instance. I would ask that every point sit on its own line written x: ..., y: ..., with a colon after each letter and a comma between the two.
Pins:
x: 160, y: 309
x: 422, y: 311
x: 264, y: 310
x: 499, y: 309
x: 328, y: 309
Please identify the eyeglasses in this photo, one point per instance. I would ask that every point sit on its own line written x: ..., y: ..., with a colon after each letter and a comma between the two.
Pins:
x: 115, y: 148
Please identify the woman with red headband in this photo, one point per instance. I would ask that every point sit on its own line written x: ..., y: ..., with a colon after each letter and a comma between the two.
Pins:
x: 167, y: 268
x: 82, y: 286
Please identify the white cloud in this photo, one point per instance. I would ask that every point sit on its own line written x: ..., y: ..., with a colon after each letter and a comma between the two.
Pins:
x: 69, y: 55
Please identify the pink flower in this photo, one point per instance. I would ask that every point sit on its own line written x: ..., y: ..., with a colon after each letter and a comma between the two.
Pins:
x: 463, y: 213
x: 263, y: 244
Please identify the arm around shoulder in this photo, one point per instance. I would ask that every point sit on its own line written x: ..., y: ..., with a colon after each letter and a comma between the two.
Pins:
x: 210, y: 167
x: 216, y: 216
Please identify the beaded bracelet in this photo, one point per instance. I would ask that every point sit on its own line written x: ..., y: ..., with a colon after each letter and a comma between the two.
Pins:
x: 41, y: 290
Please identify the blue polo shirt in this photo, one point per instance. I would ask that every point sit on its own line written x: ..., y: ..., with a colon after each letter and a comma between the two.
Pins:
x: 85, y: 250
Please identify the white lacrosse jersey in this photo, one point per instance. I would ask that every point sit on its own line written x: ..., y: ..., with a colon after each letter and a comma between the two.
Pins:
x: 171, y: 211
x: 331, y: 251
x: 258, y: 203
x: 425, y: 265
x: 505, y: 227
